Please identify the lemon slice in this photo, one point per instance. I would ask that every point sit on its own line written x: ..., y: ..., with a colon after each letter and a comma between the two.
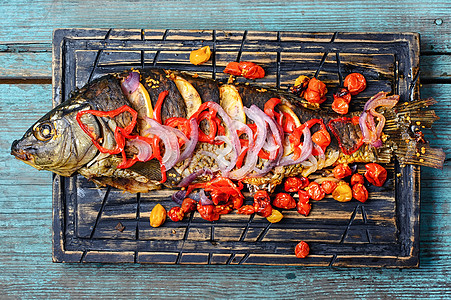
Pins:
x: 140, y: 101
x: 189, y: 94
x: 230, y: 101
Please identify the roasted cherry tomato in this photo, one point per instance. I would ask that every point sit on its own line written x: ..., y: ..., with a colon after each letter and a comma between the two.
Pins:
x: 176, y: 214
x: 316, y: 91
x: 207, y: 212
x: 189, y: 205
x: 237, y: 201
x: 342, y: 192
x: 261, y: 195
x: 262, y: 203
x: 375, y: 174
x: 199, y: 56
x: 303, y: 208
x: 275, y: 216
x: 328, y: 186
x: 357, y: 178
x: 300, y: 85
x: 302, y: 249
x: 315, y: 192
x: 342, y: 171
x: 304, y: 197
x: 246, y: 210
x: 294, y: 184
x: 284, y: 200
x: 355, y: 83
x: 344, y: 94
x: 246, y: 69
x: 340, y: 106
x: 359, y: 192
x: 321, y: 138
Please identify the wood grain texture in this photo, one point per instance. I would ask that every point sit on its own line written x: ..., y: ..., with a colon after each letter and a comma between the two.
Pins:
x: 27, y: 270
x: 430, y: 18
x: 25, y: 202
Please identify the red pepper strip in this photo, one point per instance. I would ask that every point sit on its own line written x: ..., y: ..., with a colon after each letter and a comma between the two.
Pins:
x: 180, y: 123
x: 210, y: 138
x: 119, y: 134
x: 269, y: 108
x: 288, y: 124
x: 219, y: 183
x: 240, y: 159
x: 159, y: 105
x: 337, y: 136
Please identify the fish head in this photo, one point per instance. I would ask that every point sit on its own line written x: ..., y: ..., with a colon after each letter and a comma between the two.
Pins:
x: 56, y: 142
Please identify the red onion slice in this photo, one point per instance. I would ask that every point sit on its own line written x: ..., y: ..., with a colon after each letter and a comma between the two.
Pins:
x: 306, y: 150
x: 190, y: 178
x: 131, y: 83
x: 230, y: 125
x: 144, y: 149
x: 252, y: 154
x: 169, y: 139
x: 274, y: 127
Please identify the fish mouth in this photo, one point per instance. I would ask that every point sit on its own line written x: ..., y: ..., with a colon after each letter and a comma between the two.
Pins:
x: 22, y: 154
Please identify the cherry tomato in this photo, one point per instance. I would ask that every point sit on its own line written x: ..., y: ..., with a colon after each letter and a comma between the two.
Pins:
x: 207, y: 212
x: 262, y: 203
x: 315, y: 192
x: 342, y: 171
x: 302, y: 249
x: 294, y: 184
x: 275, y: 216
x: 284, y: 200
x: 176, y: 214
x: 340, y: 106
x: 237, y: 201
x: 246, y: 69
x: 321, y: 138
x: 375, y: 174
x: 344, y: 94
x: 304, y: 197
x: 300, y: 85
x: 316, y: 91
x: 189, y: 205
x: 342, y: 192
x: 246, y: 210
x: 355, y: 83
x: 303, y: 208
x: 357, y: 178
x: 359, y: 192
x: 328, y: 186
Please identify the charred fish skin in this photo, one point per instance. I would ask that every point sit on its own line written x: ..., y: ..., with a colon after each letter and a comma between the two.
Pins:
x: 57, y: 143
x: 156, y: 81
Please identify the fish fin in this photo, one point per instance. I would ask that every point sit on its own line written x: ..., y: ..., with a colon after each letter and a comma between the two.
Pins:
x: 403, y: 127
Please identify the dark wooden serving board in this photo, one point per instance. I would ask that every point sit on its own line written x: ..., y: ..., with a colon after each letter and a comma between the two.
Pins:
x: 108, y: 225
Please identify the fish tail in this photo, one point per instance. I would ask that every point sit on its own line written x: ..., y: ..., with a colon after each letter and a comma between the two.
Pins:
x: 404, y: 127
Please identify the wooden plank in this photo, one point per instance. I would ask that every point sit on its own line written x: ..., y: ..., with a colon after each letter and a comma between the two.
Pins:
x: 27, y: 270
x: 428, y: 17
x: 436, y: 68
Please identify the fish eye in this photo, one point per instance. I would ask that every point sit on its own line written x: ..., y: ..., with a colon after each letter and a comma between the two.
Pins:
x: 44, y: 131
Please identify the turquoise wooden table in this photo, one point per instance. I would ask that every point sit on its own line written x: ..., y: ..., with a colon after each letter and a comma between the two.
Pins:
x: 26, y: 264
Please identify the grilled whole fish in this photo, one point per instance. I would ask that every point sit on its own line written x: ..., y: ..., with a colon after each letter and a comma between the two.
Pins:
x: 58, y: 143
